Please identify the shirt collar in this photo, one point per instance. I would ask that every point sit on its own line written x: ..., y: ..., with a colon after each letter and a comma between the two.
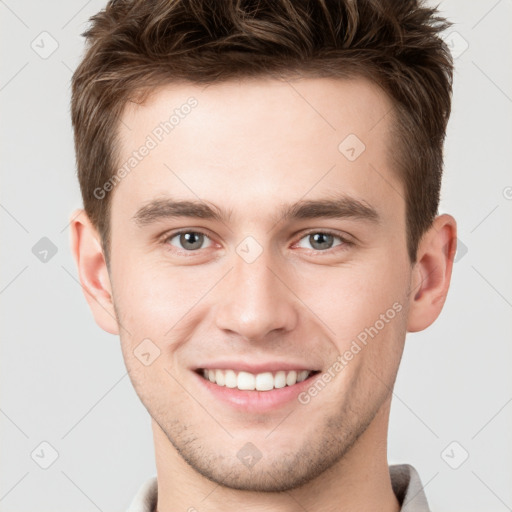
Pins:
x: 408, y: 488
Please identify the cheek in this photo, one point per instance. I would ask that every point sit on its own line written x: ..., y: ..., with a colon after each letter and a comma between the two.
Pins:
x: 163, y: 304
x: 156, y: 295
x: 349, y: 299
x: 364, y: 308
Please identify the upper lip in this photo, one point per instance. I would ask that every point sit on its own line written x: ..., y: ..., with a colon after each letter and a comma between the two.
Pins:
x: 255, y: 368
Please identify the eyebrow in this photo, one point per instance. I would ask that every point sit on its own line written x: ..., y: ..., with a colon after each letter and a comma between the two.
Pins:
x: 342, y: 206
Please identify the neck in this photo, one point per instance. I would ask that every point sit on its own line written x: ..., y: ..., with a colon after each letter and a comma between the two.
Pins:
x: 360, y: 481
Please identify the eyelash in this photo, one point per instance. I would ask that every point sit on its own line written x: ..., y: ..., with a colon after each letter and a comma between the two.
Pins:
x: 345, y: 244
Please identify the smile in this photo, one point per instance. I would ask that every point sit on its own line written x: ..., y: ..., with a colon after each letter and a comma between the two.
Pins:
x: 265, y: 381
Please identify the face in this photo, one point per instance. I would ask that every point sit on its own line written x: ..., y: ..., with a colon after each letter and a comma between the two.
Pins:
x: 259, y: 272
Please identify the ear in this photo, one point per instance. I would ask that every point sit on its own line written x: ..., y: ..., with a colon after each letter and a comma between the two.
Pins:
x: 92, y: 270
x: 432, y: 272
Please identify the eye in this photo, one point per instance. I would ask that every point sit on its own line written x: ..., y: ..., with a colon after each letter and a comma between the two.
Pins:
x: 187, y: 240
x: 192, y: 241
x: 322, y: 240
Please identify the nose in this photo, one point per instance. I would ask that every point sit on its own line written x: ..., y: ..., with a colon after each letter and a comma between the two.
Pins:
x: 256, y: 301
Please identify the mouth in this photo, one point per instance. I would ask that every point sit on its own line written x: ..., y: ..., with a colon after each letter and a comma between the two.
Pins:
x: 264, y: 381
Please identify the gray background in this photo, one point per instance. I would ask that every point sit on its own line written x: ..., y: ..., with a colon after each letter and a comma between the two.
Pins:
x: 63, y: 380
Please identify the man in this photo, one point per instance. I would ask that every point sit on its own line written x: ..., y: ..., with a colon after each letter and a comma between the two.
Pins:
x: 261, y: 182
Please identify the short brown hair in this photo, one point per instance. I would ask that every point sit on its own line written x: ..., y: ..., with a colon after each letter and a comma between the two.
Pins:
x: 136, y: 45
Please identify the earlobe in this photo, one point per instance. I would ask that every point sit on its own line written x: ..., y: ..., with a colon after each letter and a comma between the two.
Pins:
x: 432, y: 273
x: 92, y: 271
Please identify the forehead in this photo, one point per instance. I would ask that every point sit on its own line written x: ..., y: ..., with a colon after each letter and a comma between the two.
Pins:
x: 258, y: 142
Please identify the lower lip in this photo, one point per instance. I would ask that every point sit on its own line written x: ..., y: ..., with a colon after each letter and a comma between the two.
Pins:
x: 257, y: 401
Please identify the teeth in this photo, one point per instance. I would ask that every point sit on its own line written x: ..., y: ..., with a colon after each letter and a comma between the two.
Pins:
x: 230, y: 376
x: 264, y: 381
x: 280, y: 380
x: 219, y: 378
x: 302, y: 375
x: 260, y: 382
x: 291, y: 378
x: 246, y: 381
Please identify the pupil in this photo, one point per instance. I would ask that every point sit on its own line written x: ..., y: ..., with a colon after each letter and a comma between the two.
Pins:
x: 188, y: 238
x: 320, y: 240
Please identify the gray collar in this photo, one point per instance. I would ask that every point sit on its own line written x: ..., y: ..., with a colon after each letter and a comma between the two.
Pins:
x: 408, y: 488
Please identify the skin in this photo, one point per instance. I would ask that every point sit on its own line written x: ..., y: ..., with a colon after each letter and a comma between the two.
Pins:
x: 249, y: 147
